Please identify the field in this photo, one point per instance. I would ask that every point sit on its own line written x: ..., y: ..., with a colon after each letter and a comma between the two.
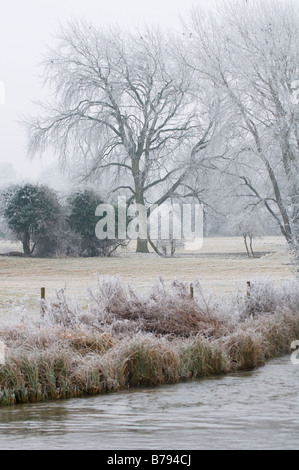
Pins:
x: 221, y: 265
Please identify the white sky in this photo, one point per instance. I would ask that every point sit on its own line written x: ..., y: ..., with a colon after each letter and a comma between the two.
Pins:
x: 27, y: 26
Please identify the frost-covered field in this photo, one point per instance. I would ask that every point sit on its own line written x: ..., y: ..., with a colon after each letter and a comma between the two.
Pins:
x: 220, y: 265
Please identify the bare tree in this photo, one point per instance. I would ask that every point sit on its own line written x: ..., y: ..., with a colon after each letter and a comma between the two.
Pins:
x: 245, y: 223
x: 122, y: 105
x: 250, y: 52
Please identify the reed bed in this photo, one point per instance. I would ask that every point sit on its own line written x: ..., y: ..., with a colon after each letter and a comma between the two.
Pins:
x: 121, y: 339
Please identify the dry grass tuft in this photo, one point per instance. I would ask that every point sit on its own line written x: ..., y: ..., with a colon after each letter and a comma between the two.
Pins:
x: 146, y: 361
x: 201, y: 358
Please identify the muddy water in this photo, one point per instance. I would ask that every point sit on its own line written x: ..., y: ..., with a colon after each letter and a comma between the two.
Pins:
x: 251, y: 410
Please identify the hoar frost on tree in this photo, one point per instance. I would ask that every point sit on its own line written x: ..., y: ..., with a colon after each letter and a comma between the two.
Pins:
x: 123, y: 105
x: 209, y: 116
x: 250, y: 52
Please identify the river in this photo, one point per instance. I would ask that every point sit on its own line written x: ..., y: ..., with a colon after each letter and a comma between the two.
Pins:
x: 249, y: 410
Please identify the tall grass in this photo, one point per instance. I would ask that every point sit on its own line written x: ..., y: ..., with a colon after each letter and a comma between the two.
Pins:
x: 122, y: 339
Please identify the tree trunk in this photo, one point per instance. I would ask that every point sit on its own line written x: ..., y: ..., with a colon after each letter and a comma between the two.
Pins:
x: 251, y: 247
x: 26, y: 244
x: 246, y: 245
x: 142, y: 246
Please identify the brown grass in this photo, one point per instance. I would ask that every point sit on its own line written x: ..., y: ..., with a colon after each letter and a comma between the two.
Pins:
x: 124, y: 339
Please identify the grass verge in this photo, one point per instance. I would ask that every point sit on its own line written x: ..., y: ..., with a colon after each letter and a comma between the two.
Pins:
x: 121, y: 340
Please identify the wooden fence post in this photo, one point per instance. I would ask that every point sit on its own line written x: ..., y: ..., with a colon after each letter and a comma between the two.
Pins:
x: 248, y: 289
x: 192, y: 291
x: 43, y: 297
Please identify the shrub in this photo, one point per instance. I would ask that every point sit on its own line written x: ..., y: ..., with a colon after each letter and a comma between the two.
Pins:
x: 33, y: 213
x: 82, y: 220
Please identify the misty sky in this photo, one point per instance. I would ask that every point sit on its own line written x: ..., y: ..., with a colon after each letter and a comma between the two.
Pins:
x: 26, y: 27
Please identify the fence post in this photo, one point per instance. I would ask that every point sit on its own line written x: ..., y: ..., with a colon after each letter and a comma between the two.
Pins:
x: 43, y: 297
x: 192, y: 291
x: 248, y: 289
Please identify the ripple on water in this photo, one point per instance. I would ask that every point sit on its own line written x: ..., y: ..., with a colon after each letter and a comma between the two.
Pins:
x: 250, y: 410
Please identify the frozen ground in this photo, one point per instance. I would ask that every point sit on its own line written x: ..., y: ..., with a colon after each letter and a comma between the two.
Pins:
x: 220, y: 265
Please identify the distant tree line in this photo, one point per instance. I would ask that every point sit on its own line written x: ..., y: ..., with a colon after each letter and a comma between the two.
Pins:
x: 48, y: 225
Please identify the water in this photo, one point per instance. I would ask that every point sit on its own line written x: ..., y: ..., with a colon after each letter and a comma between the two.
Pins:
x: 251, y: 410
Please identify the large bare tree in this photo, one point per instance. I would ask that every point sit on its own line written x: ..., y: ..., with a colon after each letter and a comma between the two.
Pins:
x: 121, y: 104
x: 250, y: 51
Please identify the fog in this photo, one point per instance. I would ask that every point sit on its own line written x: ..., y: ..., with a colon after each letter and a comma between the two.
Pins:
x: 26, y: 29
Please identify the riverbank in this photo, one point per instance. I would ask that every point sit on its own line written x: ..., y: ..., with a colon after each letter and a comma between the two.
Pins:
x: 250, y: 410
x: 122, y: 339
